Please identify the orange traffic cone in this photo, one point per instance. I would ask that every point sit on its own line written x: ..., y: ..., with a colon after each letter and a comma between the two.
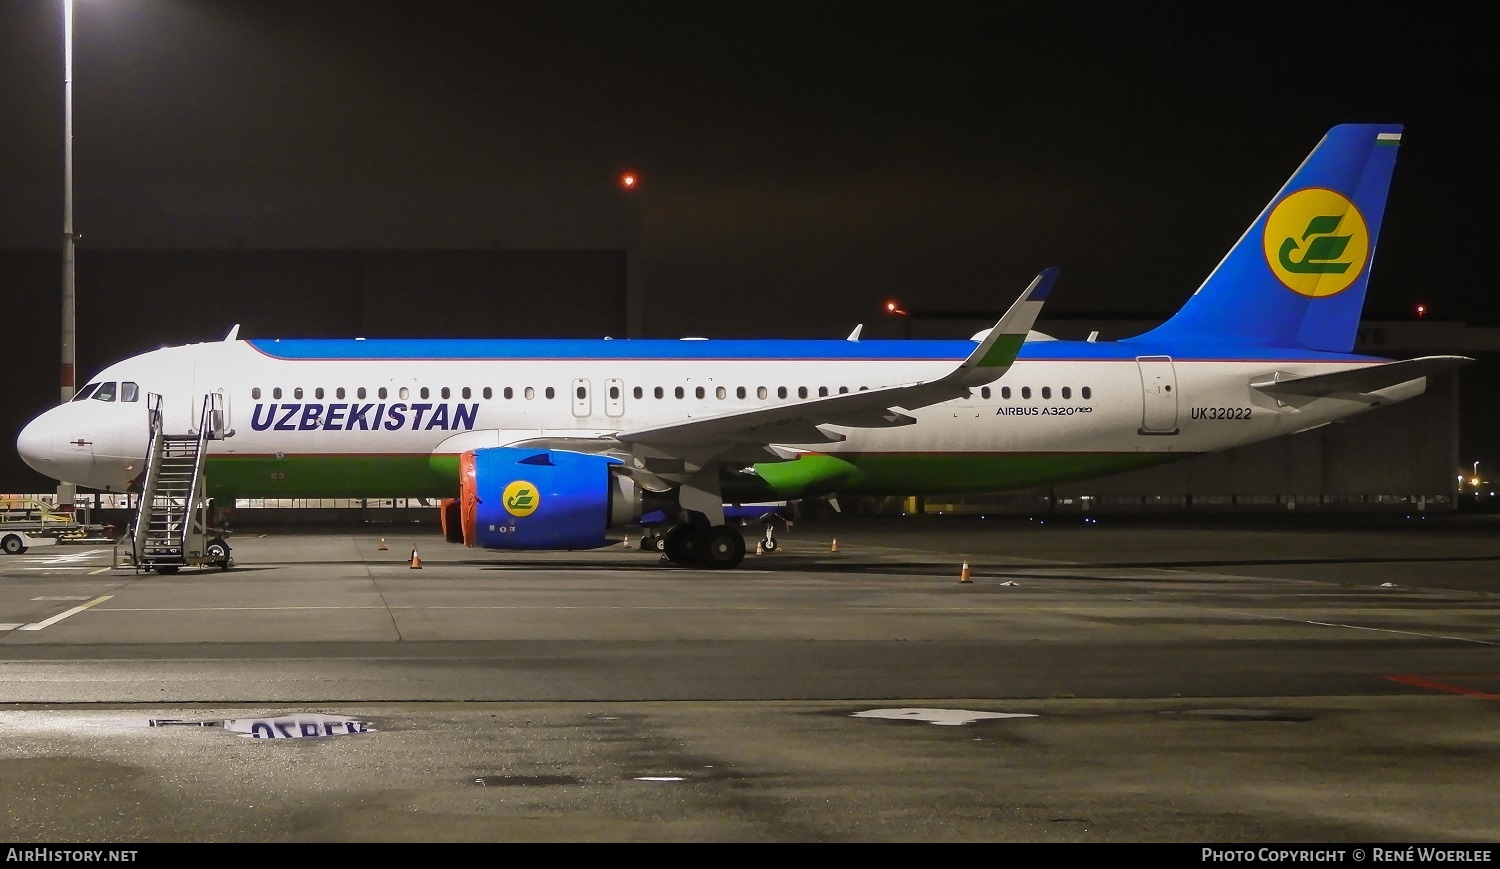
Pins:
x: 382, y: 547
x: 416, y: 560
x: 835, y: 546
x: 963, y: 575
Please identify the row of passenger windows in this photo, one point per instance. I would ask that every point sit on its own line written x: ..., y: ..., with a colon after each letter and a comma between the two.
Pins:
x: 1066, y: 392
x: 721, y: 392
x: 111, y: 391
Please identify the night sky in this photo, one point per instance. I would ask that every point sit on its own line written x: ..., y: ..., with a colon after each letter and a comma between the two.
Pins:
x: 801, y: 162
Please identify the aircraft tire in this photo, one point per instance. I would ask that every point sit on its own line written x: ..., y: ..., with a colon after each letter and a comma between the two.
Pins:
x: 770, y: 544
x: 723, y: 548
x: 684, y: 545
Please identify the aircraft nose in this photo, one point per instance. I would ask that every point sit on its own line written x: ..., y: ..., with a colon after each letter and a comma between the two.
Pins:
x: 48, y: 449
x: 35, y: 444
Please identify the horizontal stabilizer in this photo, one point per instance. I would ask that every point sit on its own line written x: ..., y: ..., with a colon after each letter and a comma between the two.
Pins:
x: 1359, y: 380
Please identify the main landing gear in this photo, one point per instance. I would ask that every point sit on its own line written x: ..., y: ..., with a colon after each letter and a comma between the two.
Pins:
x: 688, y: 545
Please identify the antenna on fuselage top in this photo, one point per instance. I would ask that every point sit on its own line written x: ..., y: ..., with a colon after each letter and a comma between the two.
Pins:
x: 234, y: 332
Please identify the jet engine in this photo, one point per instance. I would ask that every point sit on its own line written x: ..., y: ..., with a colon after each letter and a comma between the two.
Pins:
x: 515, y: 498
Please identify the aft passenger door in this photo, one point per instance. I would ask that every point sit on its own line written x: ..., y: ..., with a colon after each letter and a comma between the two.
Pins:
x: 1158, y: 395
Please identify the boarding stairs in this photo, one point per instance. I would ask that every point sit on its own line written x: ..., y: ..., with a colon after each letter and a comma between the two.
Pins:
x: 172, y: 523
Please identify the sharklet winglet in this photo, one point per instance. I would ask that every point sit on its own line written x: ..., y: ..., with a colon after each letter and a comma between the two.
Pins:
x: 1003, y: 343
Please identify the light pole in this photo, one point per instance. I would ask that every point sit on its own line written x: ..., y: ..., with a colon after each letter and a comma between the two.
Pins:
x: 635, y: 306
x: 65, y: 491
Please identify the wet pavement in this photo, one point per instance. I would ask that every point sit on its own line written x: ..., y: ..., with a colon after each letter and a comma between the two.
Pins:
x: 1126, y: 679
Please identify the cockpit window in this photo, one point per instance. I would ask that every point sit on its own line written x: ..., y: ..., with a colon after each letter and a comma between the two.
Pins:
x: 129, y: 392
x: 106, y: 392
x: 86, y: 392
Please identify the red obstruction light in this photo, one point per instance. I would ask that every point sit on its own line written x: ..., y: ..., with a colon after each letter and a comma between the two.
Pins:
x: 1421, y: 310
x: 629, y: 180
x: 894, y: 307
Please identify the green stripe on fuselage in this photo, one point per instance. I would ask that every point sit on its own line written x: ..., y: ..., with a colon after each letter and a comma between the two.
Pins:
x: 382, y: 476
x: 813, y: 474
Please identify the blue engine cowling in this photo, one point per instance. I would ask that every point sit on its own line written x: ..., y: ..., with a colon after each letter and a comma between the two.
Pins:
x: 514, y: 498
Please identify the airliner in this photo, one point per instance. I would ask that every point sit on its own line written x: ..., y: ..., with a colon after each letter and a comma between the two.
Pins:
x: 564, y: 444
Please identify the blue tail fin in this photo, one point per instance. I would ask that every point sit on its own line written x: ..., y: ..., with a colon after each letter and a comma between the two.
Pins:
x: 1297, y: 277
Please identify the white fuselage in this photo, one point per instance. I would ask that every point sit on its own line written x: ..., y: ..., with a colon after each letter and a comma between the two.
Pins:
x: 329, y: 409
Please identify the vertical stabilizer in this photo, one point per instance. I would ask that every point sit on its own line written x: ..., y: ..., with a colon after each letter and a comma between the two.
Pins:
x: 1297, y: 277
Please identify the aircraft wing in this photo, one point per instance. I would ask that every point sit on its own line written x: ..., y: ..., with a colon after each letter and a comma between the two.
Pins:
x: 667, y: 453
x: 1359, y: 380
x: 803, y: 422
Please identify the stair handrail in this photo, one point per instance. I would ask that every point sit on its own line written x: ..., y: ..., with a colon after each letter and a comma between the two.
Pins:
x: 149, y: 478
x: 208, y: 428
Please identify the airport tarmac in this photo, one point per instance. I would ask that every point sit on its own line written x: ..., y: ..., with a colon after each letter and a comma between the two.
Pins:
x: 1115, y: 679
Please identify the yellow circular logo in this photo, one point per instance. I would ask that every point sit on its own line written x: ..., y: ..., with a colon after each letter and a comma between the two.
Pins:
x: 1316, y: 242
x: 521, y: 498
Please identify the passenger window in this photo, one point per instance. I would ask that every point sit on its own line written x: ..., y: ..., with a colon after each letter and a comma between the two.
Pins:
x: 698, y: 392
x: 1046, y: 392
x: 467, y: 392
x: 1067, y: 392
x: 1025, y: 392
x: 984, y: 392
x: 530, y: 393
x: 360, y: 392
x: 658, y: 392
x: 580, y: 393
x: 318, y: 393
x: 106, y: 392
x: 678, y: 392
x: 551, y: 393
x: 129, y: 392
x: 488, y: 393
x: 446, y: 393
x: 801, y: 392
x: 1005, y: 392
x: 339, y: 393
x: 255, y: 393
x: 423, y: 392
x: 822, y: 391
x: 720, y: 393
x: 381, y: 393
x: 276, y: 392
x: 1087, y: 393
x: 403, y: 392
x: 509, y: 393
x: 781, y: 392
x: 739, y: 392
x: 843, y: 390
x: 297, y: 393
x: 760, y: 392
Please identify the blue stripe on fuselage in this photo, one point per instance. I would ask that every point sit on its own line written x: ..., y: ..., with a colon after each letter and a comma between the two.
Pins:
x: 793, y: 349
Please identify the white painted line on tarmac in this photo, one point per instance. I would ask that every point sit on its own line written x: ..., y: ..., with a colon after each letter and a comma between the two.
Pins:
x: 1376, y: 630
x: 63, y: 597
x: 36, y: 626
x: 10, y: 626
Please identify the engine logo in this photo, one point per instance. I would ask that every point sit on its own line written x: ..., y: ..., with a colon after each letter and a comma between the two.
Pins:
x: 521, y: 498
